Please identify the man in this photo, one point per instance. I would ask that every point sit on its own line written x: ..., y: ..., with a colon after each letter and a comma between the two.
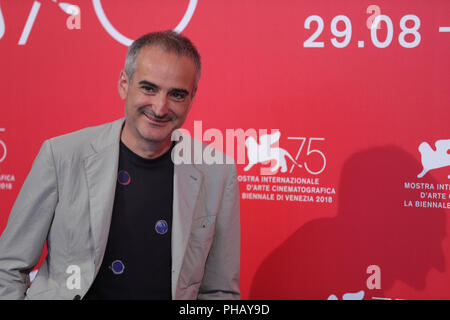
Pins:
x: 123, y: 218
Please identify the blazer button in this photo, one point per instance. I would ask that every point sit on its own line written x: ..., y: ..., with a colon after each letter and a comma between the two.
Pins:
x: 77, y: 297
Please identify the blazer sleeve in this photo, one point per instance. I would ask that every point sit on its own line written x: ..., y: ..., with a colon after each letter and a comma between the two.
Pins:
x: 29, y: 222
x: 222, y: 269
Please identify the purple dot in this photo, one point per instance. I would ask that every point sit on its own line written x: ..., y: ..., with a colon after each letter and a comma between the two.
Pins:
x: 123, y: 177
x: 161, y: 227
x: 117, y: 267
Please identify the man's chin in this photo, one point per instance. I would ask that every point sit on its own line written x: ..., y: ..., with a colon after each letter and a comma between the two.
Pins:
x: 156, y: 137
x: 156, y: 134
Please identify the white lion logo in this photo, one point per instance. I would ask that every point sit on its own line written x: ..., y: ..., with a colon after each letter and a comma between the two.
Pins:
x: 263, y: 152
x: 349, y: 296
x: 434, y: 159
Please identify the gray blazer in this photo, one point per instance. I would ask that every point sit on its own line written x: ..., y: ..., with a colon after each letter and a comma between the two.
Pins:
x: 67, y: 199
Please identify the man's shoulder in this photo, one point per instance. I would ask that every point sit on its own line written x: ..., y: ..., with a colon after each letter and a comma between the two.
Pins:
x: 80, y: 141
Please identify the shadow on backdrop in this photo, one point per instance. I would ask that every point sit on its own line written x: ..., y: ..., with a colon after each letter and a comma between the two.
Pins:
x: 330, y: 256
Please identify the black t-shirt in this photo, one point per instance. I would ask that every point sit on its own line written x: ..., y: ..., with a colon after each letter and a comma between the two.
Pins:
x: 137, y: 262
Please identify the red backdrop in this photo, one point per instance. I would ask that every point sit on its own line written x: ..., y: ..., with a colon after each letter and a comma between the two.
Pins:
x: 352, y: 105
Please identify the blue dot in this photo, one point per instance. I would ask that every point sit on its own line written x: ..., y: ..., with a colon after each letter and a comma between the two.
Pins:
x: 117, y: 267
x: 123, y: 177
x: 161, y: 227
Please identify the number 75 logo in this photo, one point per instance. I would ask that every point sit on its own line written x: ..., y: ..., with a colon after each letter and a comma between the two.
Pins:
x: 268, y: 150
x: 309, y: 151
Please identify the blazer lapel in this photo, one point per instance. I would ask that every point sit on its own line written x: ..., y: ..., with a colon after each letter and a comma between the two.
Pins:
x: 101, y: 174
x: 187, y: 183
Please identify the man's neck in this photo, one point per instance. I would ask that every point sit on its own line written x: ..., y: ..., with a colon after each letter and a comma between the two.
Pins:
x: 143, y: 148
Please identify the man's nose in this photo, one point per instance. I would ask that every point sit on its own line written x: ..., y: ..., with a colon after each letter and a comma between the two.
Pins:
x: 160, y: 105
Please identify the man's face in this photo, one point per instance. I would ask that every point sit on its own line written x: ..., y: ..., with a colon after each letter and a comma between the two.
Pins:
x: 160, y: 95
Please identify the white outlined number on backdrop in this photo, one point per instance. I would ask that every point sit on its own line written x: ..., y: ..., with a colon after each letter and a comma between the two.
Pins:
x: 73, y: 22
x: 309, y: 151
x: 2, y: 24
x: 2, y: 148
x: 126, y: 41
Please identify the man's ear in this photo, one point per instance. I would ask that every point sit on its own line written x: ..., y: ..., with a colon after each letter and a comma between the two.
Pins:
x: 123, y: 85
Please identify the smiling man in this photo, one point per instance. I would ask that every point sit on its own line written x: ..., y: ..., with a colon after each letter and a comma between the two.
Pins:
x: 159, y: 87
x: 122, y: 218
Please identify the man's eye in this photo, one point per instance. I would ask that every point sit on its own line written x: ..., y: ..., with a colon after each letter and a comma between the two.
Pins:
x: 178, y: 95
x: 148, y: 89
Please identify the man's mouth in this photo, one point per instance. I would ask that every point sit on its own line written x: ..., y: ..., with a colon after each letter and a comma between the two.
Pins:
x: 156, y: 121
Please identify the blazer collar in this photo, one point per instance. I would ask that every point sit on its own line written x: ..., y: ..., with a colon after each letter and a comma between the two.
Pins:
x: 101, y: 174
x: 187, y: 185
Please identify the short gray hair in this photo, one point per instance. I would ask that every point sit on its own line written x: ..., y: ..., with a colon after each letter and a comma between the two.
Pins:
x: 166, y: 40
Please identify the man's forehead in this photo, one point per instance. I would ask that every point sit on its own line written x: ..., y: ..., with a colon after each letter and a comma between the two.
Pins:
x: 156, y: 53
x: 156, y: 61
